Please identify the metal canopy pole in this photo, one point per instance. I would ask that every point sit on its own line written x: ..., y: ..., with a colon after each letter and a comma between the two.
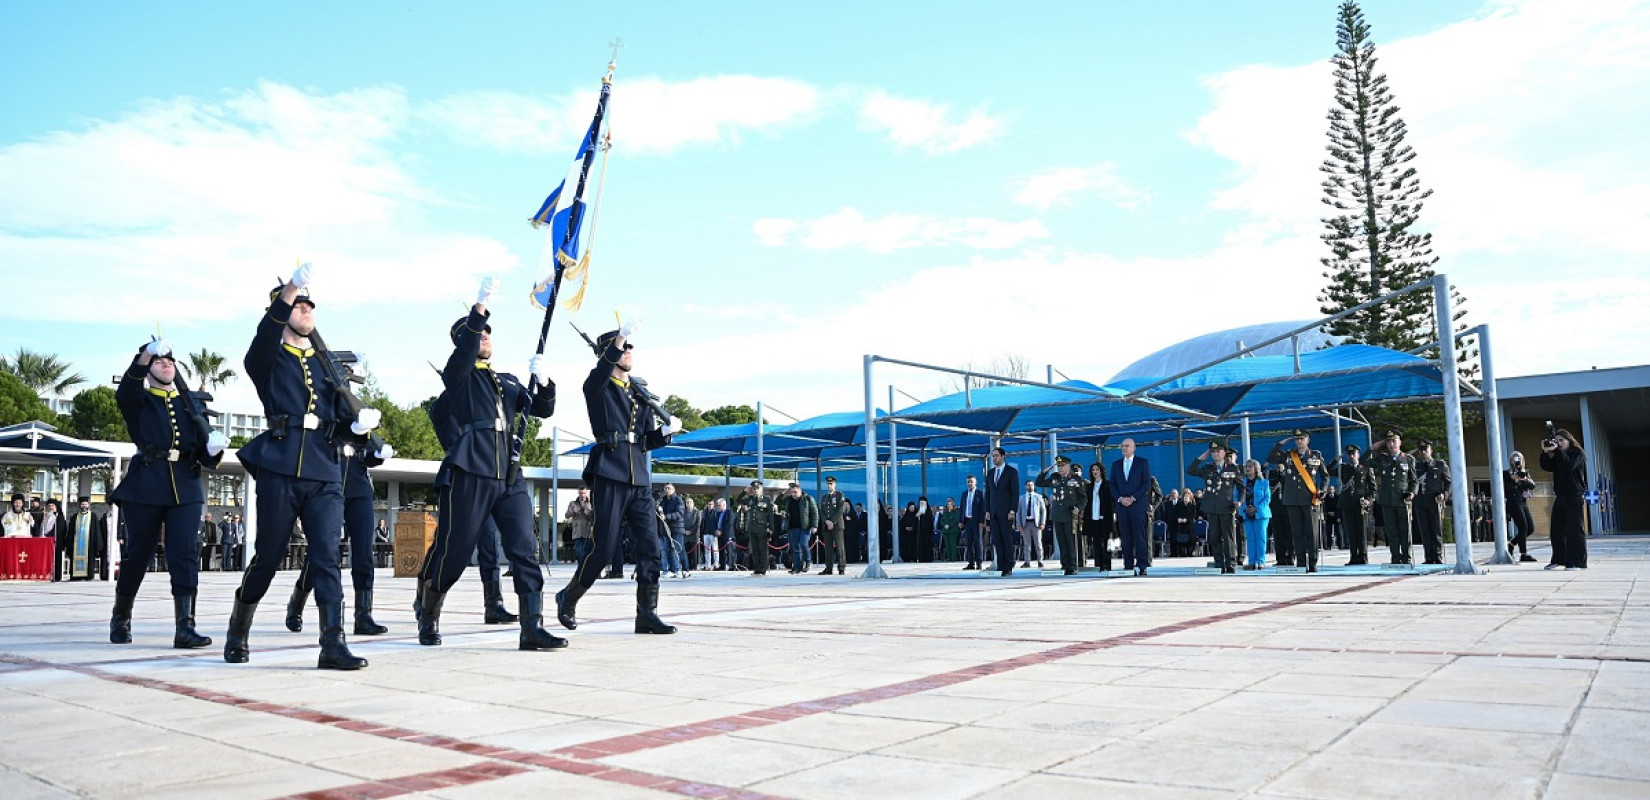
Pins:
x: 548, y: 529
x: 1246, y: 451
x: 760, y: 454
x: 873, y: 518
x: 894, y: 508
x: 1340, y: 449
x: 1180, y: 453
x: 1498, y: 458
x: 1461, y: 514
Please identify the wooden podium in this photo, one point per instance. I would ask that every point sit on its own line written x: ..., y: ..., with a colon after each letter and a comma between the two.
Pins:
x: 414, y: 531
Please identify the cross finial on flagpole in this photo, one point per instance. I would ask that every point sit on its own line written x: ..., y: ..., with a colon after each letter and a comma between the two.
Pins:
x: 617, y: 44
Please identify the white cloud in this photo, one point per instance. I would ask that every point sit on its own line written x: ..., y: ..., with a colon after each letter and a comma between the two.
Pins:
x: 649, y: 115
x: 928, y: 126
x: 849, y: 228
x: 1051, y: 187
x: 212, y: 200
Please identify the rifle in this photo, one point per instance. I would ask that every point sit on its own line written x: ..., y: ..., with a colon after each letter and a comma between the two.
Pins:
x: 336, y: 365
x: 197, y: 405
x: 648, y: 397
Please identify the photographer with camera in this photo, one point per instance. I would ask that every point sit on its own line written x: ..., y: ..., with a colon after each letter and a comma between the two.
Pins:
x: 1563, y: 457
x: 1517, y: 485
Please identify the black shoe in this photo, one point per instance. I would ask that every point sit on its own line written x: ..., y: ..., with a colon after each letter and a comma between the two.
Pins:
x: 1527, y: 558
x: 839, y: 569
x: 295, y: 606
x: 335, y: 653
x: 184, y: 636
x: 647, y: 605
x: 533, y: 634
x: 972, y: 565
x: 120, y: 621
x: 235, y: 649
x: 1313, y: 568
x: 365, y: 625
x: 567, y: 601
x: 429, y: 623
x: 1026, y: 565
x: 1071, y: 572
x: 826, y: 570
x: 614, y: 573
x: 493, y: 600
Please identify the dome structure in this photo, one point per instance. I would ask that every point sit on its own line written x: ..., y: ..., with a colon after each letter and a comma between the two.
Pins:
x: 1199, y: 350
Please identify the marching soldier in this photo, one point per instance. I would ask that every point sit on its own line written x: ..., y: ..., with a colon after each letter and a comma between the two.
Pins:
x: 1395, y: 470
x: 618, y: 472
x: 1304, y: 478
x: 484, y: 479
x: 297, y: 467
x: 755, y: 519
x: 1357, y: 495
x: 1221, y: 481
x: 163, y: 488
x: 1431, y: 486
x: 358, y: 522
x: 833, y: 510
x: 1068, y: 494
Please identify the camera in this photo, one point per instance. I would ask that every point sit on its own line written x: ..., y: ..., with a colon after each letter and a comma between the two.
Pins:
x: 1552, y: 436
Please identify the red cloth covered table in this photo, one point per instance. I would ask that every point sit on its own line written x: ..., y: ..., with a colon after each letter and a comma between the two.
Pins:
x: 26, y: 558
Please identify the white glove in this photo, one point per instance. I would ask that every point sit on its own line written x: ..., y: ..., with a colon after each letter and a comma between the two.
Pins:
x: 674, y: 427
x: 629, y: 327
x: 535, y: 367
x: 158, y: 348
x: 216, y: 442
x: 386, y: 452
x: 302, y: 276
x: 489, y: 287
x: 365, y: 421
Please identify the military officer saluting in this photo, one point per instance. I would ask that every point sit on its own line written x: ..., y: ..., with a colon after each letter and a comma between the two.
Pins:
x: 1432, y: 483
x: 1068, y: 493
x: 484, y: 481
x: 1395, y: 471
x: 298, y: 468
x: 1221, y: 482
x: 1357, y: 495
x: 620, y: 477
x: 1304, y: 478
x: 755, y: 518
x: 833, y: 510
x: 162, y: 488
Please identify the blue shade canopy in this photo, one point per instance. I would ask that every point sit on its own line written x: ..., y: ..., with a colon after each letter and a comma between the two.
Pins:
x: 37, y: 444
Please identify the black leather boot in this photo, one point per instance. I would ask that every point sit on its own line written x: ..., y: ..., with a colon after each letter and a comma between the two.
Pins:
x: 295, y: 607
x: 429, y: 621
x: 335, y: 653
x: 533, y: 634
x: 418, y: 600
x: 493, y: 599
x: 647, y: 604
x: 365, y: 625
x: 567, y: 602
x: 183, y: 614
x: 120, y: 621
x: 240, y: 626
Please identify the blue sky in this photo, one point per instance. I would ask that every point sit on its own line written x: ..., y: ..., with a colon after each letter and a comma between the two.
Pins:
x: 793, y: 186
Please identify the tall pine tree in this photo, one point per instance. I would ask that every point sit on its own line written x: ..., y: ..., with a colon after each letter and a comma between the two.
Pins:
x: 1373, y: 241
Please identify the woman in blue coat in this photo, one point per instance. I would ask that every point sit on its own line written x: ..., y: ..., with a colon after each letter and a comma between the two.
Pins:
x: 1256, y: 512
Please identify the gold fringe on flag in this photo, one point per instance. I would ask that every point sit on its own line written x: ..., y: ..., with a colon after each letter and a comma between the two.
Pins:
x: 576, y: 301
x: 576, y: 271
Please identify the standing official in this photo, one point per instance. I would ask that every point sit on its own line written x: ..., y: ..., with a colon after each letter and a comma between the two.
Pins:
x: 1222, y: 481
x: 1565, y: 459
x: 973, y: 520
x: 1357, y: 495
x: 833, y: 513
x: 1130, y: 480
x: 1002, y: 491
x: 620, y: 474
x: 297, y: 468
x: 358, y: 525
x: 1067, y: 496
x: 755, y: 520
x: 1395, y: 470
x: 484, y: 477
x: 1032, y: 515
x: 1431, y: 487
x: 163, y: 491
x: 581, y: 515
x: 1304, y: 477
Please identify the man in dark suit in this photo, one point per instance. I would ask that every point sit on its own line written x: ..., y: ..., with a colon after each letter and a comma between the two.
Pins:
x: 972, y: 504
x: 1002, y: 494
x: 1131, y: 481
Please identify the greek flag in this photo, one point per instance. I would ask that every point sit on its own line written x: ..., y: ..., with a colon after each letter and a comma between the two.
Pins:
x: 563, y: 210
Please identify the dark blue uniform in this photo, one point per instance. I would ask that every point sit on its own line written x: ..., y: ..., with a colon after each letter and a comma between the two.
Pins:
x: 358, y: 517
x: 481, y: 482
x: 163, y: 487
x: 297, y: 463
x: 487, y: 545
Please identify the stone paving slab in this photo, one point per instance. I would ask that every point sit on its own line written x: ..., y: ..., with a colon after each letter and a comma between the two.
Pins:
x: 1519, y: 683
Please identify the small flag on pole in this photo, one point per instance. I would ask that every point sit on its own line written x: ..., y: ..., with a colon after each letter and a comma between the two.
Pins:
x: 563, y: 211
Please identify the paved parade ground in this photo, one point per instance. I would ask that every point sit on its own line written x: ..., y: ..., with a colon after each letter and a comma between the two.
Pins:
x: 1523, y: 683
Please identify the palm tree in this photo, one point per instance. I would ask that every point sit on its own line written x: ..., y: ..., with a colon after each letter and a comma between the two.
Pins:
x: 209, y: 367
x: 40, y: 372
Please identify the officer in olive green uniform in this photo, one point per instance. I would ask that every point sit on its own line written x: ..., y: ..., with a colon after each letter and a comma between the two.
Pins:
x: 1221, y: 481
x: 1357, y: 494
x: 1068, y: 493
x: 1432, y: 485
x: 833, y: 509
x: 1304, y: 479
x: 1396, y: 472
x: 755, y: 520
